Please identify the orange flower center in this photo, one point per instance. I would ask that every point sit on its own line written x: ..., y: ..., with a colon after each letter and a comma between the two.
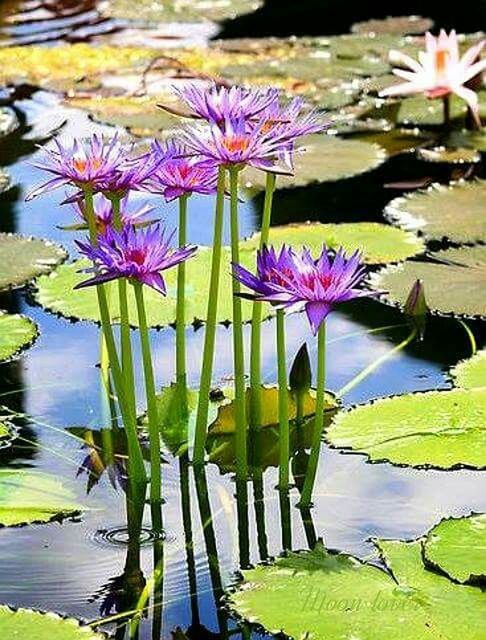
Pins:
x: 235, y: 144
x: 441, y: 59
x: 81, y: 165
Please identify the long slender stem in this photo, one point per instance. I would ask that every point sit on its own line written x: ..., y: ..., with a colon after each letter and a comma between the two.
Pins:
x: 210, y: 334
x: 256, y: 320
x: 283, y: 403
x: 310, y: 476
x: 238, y: 347
x: 181, y: 297
x: 152, y: 412
x: 136, y: 464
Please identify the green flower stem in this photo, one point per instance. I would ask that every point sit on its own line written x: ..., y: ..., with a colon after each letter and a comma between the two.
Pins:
x: 152, y: 412
x: 238, y: 347
x: 135, y: 459
x: 256, y: 320
x: 283, y: 404
x: 181, y: 295
x: 446, y: 106
x: 210, y: 334
x: 125, y: 339
x: 310, y: 476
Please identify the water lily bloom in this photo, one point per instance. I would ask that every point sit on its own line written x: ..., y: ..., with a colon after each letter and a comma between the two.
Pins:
x: 236, y: 145
x: 440, y: 71
x: 136, y: 255
x: 180, y: 175
x: 218, y: 104
x: 291, y: 121
x: 80, y: 164
x: 300, y: 281
x: 130, y: 213
x: 131, y: 174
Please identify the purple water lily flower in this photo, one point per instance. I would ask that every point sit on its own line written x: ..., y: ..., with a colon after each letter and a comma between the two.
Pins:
x: 130, y: 213
x: 80, y: 163
x: 178, y: 174
x: 236, y: 144
x: 290, y: 122
x: 317, y: 285
x: 137, y: 255
x: 268, y: 280
x: 131, y: 174
x: 218, y: 104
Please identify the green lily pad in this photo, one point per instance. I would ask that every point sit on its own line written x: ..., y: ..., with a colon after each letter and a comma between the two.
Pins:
x: 396, y: 25
x: 443, y: 429
x: 16, y: 333
x: 394, y: 141
x: 22, y: 259
x: 181, y: 10
x: 424, y: 112
x: 7, y: 432
x: 323, y: 159
x: 456, y: 212
x: 471, y: 373
x: 55, y: 292
x: 378, y: 243
x: 28, y: 497
x: 317, y: 594
x: 469, y: 139
x: 25, y: 623
x: 456, y: 548
x: 457, y: 155
x: 454, y: 285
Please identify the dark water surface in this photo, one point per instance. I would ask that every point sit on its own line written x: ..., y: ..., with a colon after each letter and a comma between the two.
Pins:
x: 82, y: 567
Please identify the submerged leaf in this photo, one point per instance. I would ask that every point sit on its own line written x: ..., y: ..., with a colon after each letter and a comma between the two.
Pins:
x: 16, y: 333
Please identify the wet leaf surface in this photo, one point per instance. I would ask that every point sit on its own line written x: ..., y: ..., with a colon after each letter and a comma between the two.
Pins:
x: 25, y: 623
x: 471, y: 373
x: 16, y: 333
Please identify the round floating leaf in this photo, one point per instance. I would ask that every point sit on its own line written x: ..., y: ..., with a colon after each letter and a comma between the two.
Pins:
x: 470, y: 139
x: 471, y: 373
x: 317, y: 594
x: 7, y: 432
x: 397, y: 25
x: 396, y: 140
x: 454, y: 283
x: 444, y: 429
x: 30, y: 496
x: 22, y: 259
x: 379, y: 243
x: 55, y: 292
x: 25, y: 623
x: 422, y: 111
x: 16, y: 332
x: 456, y: 212
x: 459, y: 155
x: 323, y: 159
x: 456, y: 547
x: 181, y: 10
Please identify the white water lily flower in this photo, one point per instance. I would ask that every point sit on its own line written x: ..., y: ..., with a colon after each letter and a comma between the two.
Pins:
x: 439, y: 70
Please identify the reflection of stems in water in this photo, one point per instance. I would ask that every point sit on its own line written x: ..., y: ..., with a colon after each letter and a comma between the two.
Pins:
x: 283, y: 408
x: 38, y: 445
x: 135, y: 459
x: 242, y: 512
x: 187, y: 525
x: 210, y: 333
x: 152, y: 411
x: 374, y: 365
x: 285, y: 519
x: 256, y: 320
x: 238, y: 346
x: 309, y: 528
x: 470, y: 335
x: 310, y: 476
x: 181, y: 293
x: 259, y: 506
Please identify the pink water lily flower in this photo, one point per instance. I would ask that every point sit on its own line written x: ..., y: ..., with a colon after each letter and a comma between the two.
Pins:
x: 440, y: 70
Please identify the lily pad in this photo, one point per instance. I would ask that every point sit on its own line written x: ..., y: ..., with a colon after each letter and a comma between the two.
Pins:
x: 338, y: 596
x: 25, y: 623
x: 394, y: 141
x: 323, y: 158
x: 16, y: 333
x: 8, y: 121
x: 56, y: 293
x: 469, y: 139
x: 378, y: 243
x: 397, y: 25
x: 7, y: 432
x: 424, y: 112
x: 456, y: 212
x: 456, y: 548
x: 442, y: 429
x: 22, y: 259
x: 471, y: 373
x: 28, y: 497
x: 454, y: 283
x: 456, y: 155
x: 181, y: 10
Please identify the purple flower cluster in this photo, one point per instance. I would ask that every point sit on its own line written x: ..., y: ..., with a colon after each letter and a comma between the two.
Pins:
x: 289, y: 279
x: 130, y: 214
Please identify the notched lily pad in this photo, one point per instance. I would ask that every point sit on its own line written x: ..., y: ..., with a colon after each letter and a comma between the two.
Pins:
x: 456, y: 212
x: 396, y: 25
x: 16, y: 333
x: 423, y: 112
x: 26, y: 623
x: 7, y: 432
x: 323, y: 158
x: 442, y: 429
x: 446, y: 155
x: 456, y: 547
x: 454, y: 281
x: 379, y: 243
x: 28, y: 497
x: 470, y: 373
x: 181, y: 10
x: 22, y: 259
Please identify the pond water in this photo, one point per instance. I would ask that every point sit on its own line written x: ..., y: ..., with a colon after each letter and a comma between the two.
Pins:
x: 85, y: 567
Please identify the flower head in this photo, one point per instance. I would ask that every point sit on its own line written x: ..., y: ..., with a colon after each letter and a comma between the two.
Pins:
x: 299, y: 280
x: 80, y: 164
x: 439, y: 70
x: 217, y: 104
x: 130, y: 214
x: 179, y: 175
x: 291, y: 121
x: 131, y: 174
x: 137, y: 255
